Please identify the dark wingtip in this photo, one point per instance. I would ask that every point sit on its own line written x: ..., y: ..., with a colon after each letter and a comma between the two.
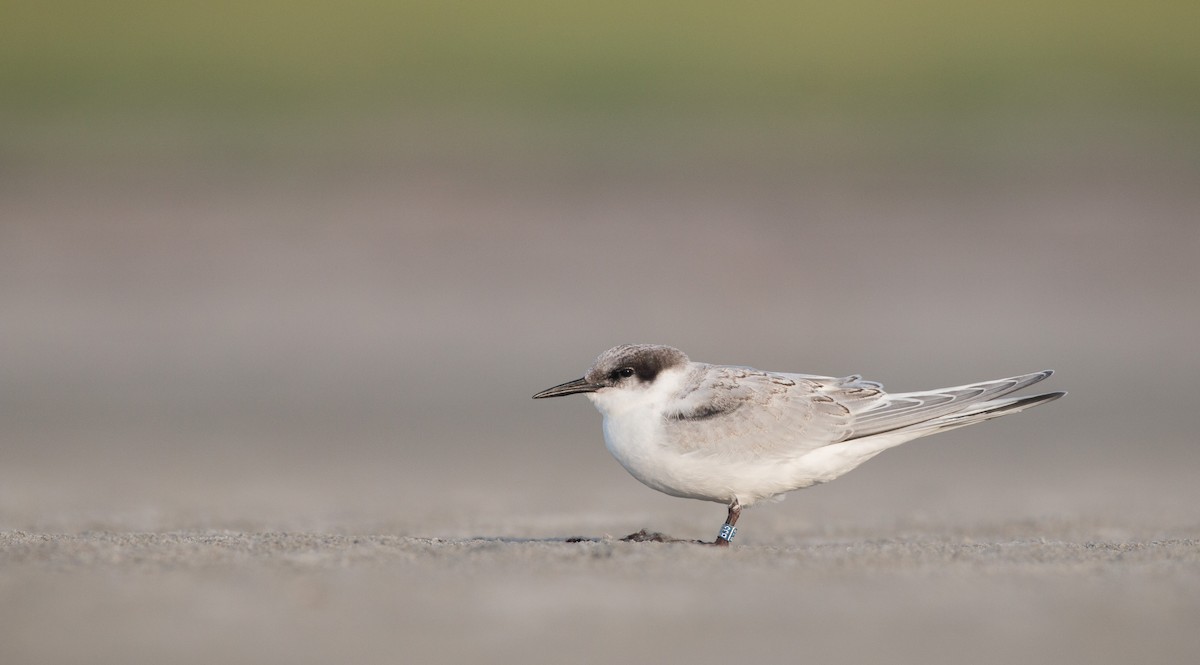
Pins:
x: 1034, y: 400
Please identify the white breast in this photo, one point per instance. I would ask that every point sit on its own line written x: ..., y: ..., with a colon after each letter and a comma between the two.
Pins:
x: 633, y: 433
x: 633, y: 426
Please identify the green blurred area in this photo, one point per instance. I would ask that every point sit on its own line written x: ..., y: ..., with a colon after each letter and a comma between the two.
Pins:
x: 74, y: 71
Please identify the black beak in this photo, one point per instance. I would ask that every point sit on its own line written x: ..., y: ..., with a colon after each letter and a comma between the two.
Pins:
x: 569, y: 388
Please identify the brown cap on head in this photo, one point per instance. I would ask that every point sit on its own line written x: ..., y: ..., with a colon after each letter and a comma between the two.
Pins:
x: 627, y: 363
x: 646, y: 361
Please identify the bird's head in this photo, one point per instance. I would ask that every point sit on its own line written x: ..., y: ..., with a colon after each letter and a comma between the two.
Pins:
x: 625, y: 367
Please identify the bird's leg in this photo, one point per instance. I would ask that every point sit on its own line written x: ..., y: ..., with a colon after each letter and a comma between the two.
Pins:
x: 728, y: 529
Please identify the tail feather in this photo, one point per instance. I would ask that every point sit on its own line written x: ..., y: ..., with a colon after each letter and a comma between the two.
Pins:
x: 985, y: 411
x: 901, y: 411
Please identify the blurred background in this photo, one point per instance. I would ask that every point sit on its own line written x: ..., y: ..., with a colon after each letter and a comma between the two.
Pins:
x: 298, y: 265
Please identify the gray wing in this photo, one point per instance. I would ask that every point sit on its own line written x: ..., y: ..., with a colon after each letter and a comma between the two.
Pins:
x: 739, y: 411
x: 902, y: 410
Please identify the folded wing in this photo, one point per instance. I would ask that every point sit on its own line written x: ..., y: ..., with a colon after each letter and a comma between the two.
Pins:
x: 740, y: 412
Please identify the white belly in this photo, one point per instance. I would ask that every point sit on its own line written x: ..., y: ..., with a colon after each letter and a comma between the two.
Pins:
x: 634, y: 434
x: 637, y: 443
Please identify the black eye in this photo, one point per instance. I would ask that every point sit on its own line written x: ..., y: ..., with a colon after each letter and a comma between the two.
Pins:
x: 625, y: 372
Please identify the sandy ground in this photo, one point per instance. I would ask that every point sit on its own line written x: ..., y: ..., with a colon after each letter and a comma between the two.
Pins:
x: 1036, y: 593
x: 283, y: 416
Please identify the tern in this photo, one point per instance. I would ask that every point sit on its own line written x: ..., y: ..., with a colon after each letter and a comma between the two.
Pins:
x: 737, y: 435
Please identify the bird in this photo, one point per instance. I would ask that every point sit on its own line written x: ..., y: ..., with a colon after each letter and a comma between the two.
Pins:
x: 739, y: 436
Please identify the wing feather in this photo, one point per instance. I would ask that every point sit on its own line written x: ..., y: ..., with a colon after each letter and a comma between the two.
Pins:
x: 794, y: 414
x: 739, y: 411
x: 899, y: 410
